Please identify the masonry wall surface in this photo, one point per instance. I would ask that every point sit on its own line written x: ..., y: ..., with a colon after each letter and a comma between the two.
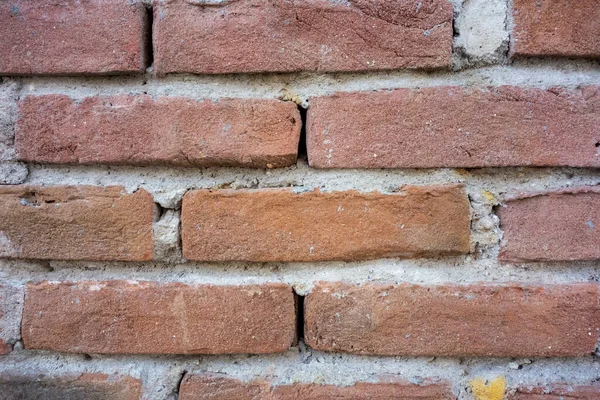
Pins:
x: 320, y: 199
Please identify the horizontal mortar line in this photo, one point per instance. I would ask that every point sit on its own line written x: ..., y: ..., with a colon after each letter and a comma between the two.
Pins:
x: 541, y: 75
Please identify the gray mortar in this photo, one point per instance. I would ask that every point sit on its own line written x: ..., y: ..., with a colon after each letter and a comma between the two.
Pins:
x: 529, y: 73
x: 11, y: 172
x: 481, y: 34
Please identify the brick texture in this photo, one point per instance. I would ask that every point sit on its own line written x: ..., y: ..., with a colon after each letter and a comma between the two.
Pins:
x: 280, y: 225
x: 75, y: 223
x: 168, y: 130
x: 436, y: 127
x: 474, y: 320
x: 557, y: 392
x: 556, y: 28
x: 311, y: 35
x: 554, y: 226
x: 219, y: 387
x: 11, y: 305
x: 69, y: 387
x: 72, y: 37
x: 125, y: 317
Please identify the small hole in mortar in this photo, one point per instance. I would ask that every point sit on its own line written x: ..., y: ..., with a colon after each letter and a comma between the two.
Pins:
x: 597, y: 144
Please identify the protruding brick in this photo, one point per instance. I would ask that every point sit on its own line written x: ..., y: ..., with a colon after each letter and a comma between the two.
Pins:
x: 451, y: 320
x: 557, y: 392
x: 555, y: 226
x: 556, y: 28
x: 75, y: 223
x: 72, y: 37
x: 280, y: 225
x: 142, y: 130
x: 77, y: 386
x: 313, y: 35
x: 455, y: 127
x: 11, y: 307
x: 215, y: 386
x: 129, y: 317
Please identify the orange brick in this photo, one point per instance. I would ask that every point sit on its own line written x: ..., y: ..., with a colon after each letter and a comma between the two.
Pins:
x: 75, y: 223
x: 125, y: 317
x: 451, y: 320
x: 280, y: 225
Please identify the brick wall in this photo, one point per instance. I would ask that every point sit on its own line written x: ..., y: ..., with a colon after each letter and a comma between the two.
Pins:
x: 273, y: 199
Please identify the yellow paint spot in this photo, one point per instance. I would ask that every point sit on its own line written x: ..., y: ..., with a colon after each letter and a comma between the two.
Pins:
x: 491, y: 391
x: 489, y: 196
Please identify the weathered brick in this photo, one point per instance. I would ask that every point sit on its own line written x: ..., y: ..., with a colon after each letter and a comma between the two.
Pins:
x: 280, y: 225
x: 452, y: 320
x: 75, y: 223
x: 312, y: 35
x: 128, y: 317
x: 72, y: 37
x: 557, y: 392
x: 215, y: 386
x: 11, y: 307
x: 554, y: 226
x: 87, y: 386
x: 436, y: 127
x: 556, y: 28
x: 167, y: 130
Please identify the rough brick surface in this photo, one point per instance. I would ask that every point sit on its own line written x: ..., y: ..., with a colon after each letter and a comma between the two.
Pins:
x: 280, y: 225
x: 11, y: 307
x: 142, y: 130
x: 314, y: 35
x: 75, y: 223
x: 436, y: 127
x: 69, y: 387
x: 562, y: 225
x: 219, y: 387
x: 556, y: 28
x: 125, y: 317
x: 473, y: 320
x: 557, y: 392
x: 72, y: 37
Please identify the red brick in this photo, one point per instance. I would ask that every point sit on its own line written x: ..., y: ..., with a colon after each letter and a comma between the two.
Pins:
x: 11, y: 305
x: 128, y: 317
x: 455, y: 127
x: 451, y: 320
x: 312, y: 35
x: 556, y: 28
x: 76, y: 386
x: 554, y: 226
x: 280, y: 225
x: 557, y: 392
x: 72, y: 37
x: 75, y: 223
x: 220, y: 387
x: 168, y: 130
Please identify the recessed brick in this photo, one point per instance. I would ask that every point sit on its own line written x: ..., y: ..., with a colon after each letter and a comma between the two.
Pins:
x: 452, y: 320
x: 556, y: 28
x: 314, y: 35
x: 280, y: 225
x: 72, y: 37
x: 142, y: 130
x: 75, y: 223
x: 129, y: 317
x: 557, y: 392
x: 76, y: 386
x: 459, y: 127
x: 554, y: 226
x: 216, y: 386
